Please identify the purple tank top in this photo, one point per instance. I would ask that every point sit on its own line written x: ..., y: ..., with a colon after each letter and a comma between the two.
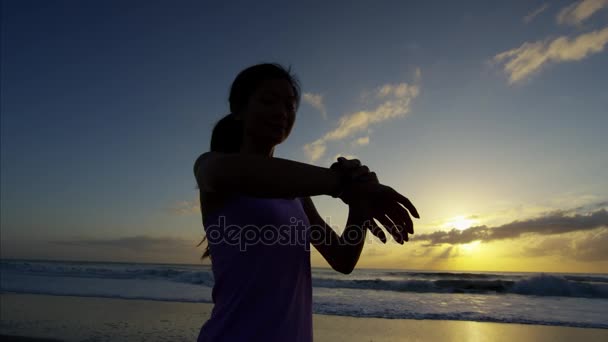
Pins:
x: 261, y: 264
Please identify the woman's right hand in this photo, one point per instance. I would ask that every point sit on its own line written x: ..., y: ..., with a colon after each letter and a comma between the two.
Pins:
x: 386, y: 205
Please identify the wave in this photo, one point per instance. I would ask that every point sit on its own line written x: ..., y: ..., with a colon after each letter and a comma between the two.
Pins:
x: 540, y: 285
x: 594, y: 279
x: 455, y: 316
x: 446, y: 275
x: 107, y: 271
x: 582, y: 286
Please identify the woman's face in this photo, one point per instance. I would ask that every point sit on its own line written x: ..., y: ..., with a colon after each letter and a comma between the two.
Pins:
x: 270, y: 112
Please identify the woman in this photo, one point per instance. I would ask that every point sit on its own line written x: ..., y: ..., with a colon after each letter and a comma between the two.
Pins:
x: 260, y: 221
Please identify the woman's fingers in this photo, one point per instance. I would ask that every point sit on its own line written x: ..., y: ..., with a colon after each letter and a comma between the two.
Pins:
x: 349, y: 163
x: 399, y: 228
x: 377, y: 231
x: 354, y: 169
x: 344, y: 163
x: 369, y: 177
x: 390, y: 227
x: 400, y: 216
x: 373, y: 178
x: 406, y: 203
x: 359, y: 172
x: 405, y: 217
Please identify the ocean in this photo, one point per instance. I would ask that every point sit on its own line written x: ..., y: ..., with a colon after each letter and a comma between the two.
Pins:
x: 576, y: 300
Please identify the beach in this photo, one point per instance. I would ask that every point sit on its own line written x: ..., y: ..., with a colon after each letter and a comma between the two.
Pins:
x: 71, y: 318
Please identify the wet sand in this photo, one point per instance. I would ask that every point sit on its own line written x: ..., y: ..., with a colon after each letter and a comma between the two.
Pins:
x: 69, y: 318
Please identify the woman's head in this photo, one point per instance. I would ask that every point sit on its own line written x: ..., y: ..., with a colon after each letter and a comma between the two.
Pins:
x: 263, y: 102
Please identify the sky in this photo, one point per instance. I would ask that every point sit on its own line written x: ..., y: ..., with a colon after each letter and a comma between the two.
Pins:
x: 489, y: 116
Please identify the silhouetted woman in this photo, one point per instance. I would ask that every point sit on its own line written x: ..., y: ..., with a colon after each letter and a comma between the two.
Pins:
x: 260, y: 221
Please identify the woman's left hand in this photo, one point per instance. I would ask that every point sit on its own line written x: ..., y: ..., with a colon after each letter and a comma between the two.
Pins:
x: 355, y: 172
x: 380, y: 201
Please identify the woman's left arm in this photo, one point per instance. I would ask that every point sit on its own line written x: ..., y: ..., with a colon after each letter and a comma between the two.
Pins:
x: 367, y: 200
x: 341, y: 252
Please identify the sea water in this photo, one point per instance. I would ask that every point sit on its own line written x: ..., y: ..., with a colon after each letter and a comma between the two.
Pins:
x: 578, y: 300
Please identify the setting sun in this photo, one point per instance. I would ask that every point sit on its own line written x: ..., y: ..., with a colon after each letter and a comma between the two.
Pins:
x: 461, y: 222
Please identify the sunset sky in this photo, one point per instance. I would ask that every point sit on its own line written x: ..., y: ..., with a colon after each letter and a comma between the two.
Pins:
x: 491, y: 116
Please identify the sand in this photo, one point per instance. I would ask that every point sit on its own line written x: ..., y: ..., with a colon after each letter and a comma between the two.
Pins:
x: 103, y: 319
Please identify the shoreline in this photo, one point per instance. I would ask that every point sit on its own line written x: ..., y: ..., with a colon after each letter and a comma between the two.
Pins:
x: 72, y: 318
x: 520, y: 322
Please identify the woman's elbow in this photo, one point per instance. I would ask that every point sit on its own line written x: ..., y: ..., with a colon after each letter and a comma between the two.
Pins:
x: 347, y: 270
x: 344, y: 268
x: 209, y: 176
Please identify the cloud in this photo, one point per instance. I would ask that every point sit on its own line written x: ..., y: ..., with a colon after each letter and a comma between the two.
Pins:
x: 396, y: 106
x: 316, y: 100
x: 547, y: 246
x: 361, y: 141
x: 533, y: 14
x: 550, y: 224
x: 395, y: 100
x: 140, y: 243
x: 186, y: 207
x: 578, y: 12
x: 397, y: 90
x: 315, y: 150
x: 588, y: 247
x: 592, y: 206
x: 592, y: 247
x: 530, y: 57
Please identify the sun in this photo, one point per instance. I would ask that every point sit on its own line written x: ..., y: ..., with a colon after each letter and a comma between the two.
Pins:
x: 460, y: 222
x: 470, y: 247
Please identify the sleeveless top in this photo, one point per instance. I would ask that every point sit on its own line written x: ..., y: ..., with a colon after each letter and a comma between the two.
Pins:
x: 260, y: 257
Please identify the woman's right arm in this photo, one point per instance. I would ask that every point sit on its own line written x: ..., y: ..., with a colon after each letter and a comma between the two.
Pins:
x: 263, y: 176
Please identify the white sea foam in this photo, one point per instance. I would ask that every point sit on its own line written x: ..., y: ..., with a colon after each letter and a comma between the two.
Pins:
x: 556, y: 299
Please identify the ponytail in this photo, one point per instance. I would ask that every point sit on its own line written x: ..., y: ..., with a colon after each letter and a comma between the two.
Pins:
x: 227, y: 135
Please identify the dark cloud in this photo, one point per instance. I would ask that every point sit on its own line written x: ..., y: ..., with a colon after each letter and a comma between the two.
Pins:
x: 588, y: 247
x: 547, y: 246
x: 592, y: 247
x: 551, y: 224
x: 591, y: 207
x: 135, y: 243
